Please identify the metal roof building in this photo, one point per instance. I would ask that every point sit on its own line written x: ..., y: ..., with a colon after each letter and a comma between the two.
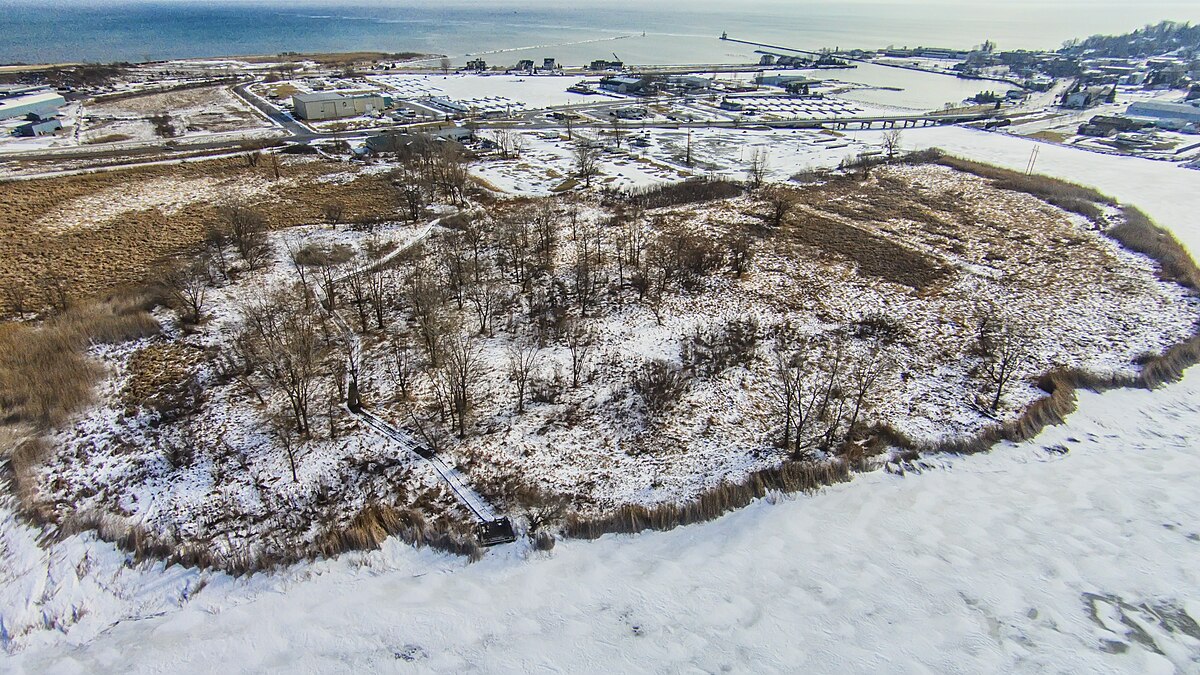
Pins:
x: 331, y: 106
x: 45, y: 104
x: 1157, y: 110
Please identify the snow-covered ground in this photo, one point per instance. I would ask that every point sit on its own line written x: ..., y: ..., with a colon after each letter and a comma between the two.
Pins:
x: 534, y: 91
x: 1025, y: 559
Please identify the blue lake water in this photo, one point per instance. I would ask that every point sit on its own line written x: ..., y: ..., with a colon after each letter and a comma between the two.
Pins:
x: 73, y: 30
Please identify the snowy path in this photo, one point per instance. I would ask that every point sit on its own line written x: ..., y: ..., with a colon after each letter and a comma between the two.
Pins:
x: 1022, y: 560
x: 451, y: 476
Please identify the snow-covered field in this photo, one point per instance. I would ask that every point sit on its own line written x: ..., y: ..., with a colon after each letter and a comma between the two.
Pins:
x: 1023, y: 559
x: 534, y: 91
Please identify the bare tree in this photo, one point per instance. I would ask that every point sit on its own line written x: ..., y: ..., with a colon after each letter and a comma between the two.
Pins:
x: 55, y: 289
x: 248, y: 231
x: 523, y: 359
x: 580, y: 339
x: 283, y: 431
x: 780, y: 203
x: 215, y: 241
x: 460, y: 372
x: 445, y: 65
x: 891, y: 143
x: 503, y: 138
x: 333, y: 212
x: 414, y: 182
x: 377, y: 286
x: 871, y: 366
x: 357, y: 284
x: 519, y: 144
x: 488, y: 296
x: 402, y: 366
x: 16, y: 298
x: 617, y: 130
x: 1008, y: 350
x: 756, y: 170
x: 587, y: 162
x: 186, y: 288
x: 285, y: 344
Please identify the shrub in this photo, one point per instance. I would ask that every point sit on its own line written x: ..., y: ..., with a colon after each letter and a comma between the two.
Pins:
x: 787, y: 477
x: 543, y: 541
x: 314, y: 255
x: 688, y: 192
x: 659, y: 384
x: 711, y: 351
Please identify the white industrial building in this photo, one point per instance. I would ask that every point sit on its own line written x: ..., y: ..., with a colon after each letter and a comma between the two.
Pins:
x: 1158, y: 110
x: 21, y: 102
x: 327, y: 106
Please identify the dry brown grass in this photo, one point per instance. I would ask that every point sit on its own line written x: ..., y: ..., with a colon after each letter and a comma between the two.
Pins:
x: 373, y: 525
x: 875, y: 255
x: 788, y: 477
x: 1138, y: 233
x: 1063, y: 194
x: 128, y: 247
x: 44, y: 374
x: 161, y: 377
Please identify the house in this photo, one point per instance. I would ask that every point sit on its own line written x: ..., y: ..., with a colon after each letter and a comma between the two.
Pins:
x: 1085, y: 98
x: 549, y: 64
x: 524, y: 64
x: 402, y: 142
x: 328, y: 106
x: 448, y: 105
x: 601, y: 64
x: 767, y: 60
x: 690, y: 83
x: 477, y: 65
x: 783, y: 81
x: 630, y: 113
x: 732, y: 105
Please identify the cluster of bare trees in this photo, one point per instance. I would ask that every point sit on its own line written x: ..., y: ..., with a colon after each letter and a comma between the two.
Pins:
x: 825, y: 385
x: 185, y: 282
x: 428, y: 168
x: 53, y: 288
x: 285, y: 350
x: 509, y: 144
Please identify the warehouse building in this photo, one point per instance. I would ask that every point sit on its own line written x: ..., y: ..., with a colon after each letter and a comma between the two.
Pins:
x: 23, y: 102
x: 1156, y: 110
x: 332, y: 106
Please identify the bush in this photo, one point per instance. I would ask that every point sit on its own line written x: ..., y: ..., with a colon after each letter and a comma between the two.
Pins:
x: 713, y: 350
x: 659, y: 384
x: 314, y: 255
x: 688, y: 192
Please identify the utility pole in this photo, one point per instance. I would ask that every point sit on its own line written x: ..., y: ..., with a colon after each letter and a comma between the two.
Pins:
x: 689, y: 147
x: 1032, y: 160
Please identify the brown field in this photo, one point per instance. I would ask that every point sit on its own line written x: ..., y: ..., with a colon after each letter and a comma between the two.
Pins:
x: 334, y: 59
x: 108, y: 230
